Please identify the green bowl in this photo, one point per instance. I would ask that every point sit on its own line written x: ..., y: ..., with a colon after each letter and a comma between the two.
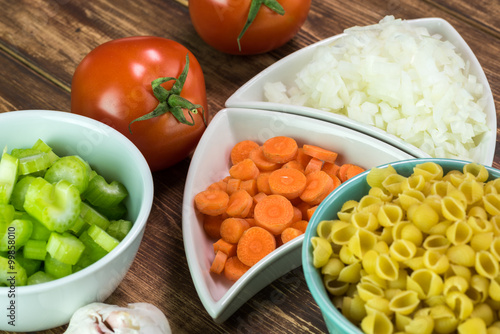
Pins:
x: 353, y: 189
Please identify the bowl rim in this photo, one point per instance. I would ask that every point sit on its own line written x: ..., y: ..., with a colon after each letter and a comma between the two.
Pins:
x: 146, y: 202
x: 312, y: 275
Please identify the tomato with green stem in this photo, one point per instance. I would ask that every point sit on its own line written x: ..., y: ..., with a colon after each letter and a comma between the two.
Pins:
x: 149, y: 88
x: 247, y: 27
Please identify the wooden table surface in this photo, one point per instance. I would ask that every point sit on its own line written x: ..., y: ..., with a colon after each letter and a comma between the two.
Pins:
x: 42, y: 42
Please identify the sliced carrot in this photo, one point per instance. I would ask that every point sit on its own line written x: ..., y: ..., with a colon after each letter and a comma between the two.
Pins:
x: 219, y: 262
x: 274, y: 213
x: 234, y: 269
x: 241, y: 150
x: 250, y: 186
x: 288, y: 182
x: 211, y: 202
x: 261, y: 161
x: 290, y: 233
x: 297, y: 214
x: 336, y: 181
x: 211, y: 225
x: 224, y: 246
x: 314, y: 165
x: 331, y: 169
x: 258, y: 197
x: 320, y: 153
x: 240, y: 203
x: 294, y: 164
x: 254, y: 245
x: 300, y: 225
x: 232, y: 229
x: 244, y: 170
x: 353, y: 171
x: 310, y: 211
x: 302, y: 158
x: 219, y: 185
x: 280, y: 149
x: 263, y: 183
x: 303, y: 207
x: 319, y: 185
x: 251, y: 221
x: 232, y: 185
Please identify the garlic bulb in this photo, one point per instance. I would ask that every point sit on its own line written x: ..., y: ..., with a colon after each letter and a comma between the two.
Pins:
x: 136, y: 318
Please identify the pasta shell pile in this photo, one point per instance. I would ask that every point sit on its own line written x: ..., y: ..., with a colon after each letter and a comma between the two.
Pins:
x: 417, y: 254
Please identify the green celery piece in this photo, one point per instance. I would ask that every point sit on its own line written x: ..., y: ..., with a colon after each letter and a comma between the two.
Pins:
x: 7, y: 213
x: 42, y: 146
x: 92, y: 249
x: 84, y: 261
x: 65, y: 247
x: 12, y: 272
x: 35, y: 249
x: 101, y: 194
x: 31, y: 160
x: 92, y: 216
x: 17, y: 234
x: 79, y: 226
x: 40, y: 232
x: 9, y: 167
x: 19, y: 192
x: 30, y: 265
x: 55, y: 206
x: 56, y: 268
x: 114, y: 213
x: 102, y: 238
x: 119, y: 229
x: 72, y: 169
x: 39, y: 277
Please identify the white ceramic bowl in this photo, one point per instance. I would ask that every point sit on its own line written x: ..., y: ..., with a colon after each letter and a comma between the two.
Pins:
x: 211, y: 163
x: 48, y: 305
x: 251, y: 94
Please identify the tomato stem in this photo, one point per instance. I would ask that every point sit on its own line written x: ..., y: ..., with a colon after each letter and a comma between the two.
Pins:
x: 273, y: 5
x: 171, y: 101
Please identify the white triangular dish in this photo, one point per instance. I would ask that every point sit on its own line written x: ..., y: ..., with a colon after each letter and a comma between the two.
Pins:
x: 251, y: 94
x: 211, y: 162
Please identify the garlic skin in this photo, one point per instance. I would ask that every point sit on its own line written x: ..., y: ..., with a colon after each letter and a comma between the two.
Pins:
x: 136, y: 318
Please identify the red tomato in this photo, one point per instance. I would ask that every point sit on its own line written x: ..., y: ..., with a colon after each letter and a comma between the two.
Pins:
x: 112, y: 84
x: 220, y: 22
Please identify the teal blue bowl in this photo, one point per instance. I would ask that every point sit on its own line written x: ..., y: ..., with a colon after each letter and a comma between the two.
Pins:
x: 353, y: 189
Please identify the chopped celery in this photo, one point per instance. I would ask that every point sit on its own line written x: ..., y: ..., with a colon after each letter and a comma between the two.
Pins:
x: 102, y: 238
x: 17, y: 234
x: 92, y: 249
x: 12, y: 273
x: 72, y: 169
x: 118, y: 229
x: 31, y: 160
x: 39, y: 277
x: 56, y: 268
x: 114, y: 213
x: 55, y: 206
x: 42, y: 146
x: 35, y: 249
x: 9, y: 167
x: 100, y: 193
x: 92, y: 217
x: 19, y: 192
x: 79, y: 226
x: 65, y: 247
x: 40, y: 232
x: 30, y: 265
x: 7, y: 212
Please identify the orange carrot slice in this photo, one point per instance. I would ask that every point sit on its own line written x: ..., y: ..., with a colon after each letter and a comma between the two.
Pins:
x: 320, y: 153
x: 319, y: 185
x: 232, y: 185
x: 240, y: 203
x: 261, y: 161
x: 274, y: 213
x: 241, y: 150
x: 254, y: 245
x: 289, y: 234
x: 244, y: 170
x: 234, y: 269
x: 294, y: 164
x: 211, y: 202
x: 232, y: 229
x: 353, y: 171
x: 263, y: 183
x: 310, y: 211
x: 219, y: 262
x: 300, y: 225
x: 211, y: 225
x: 250, y: 186
x: 280, y: 149
x: 225, y: 247
x: 313, y: 165
x: 331, y: 169
x: 288, y: 182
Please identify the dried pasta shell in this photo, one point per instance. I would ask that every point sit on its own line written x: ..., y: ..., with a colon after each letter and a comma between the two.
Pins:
x: 377, y: 323
x: 404, y: 302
